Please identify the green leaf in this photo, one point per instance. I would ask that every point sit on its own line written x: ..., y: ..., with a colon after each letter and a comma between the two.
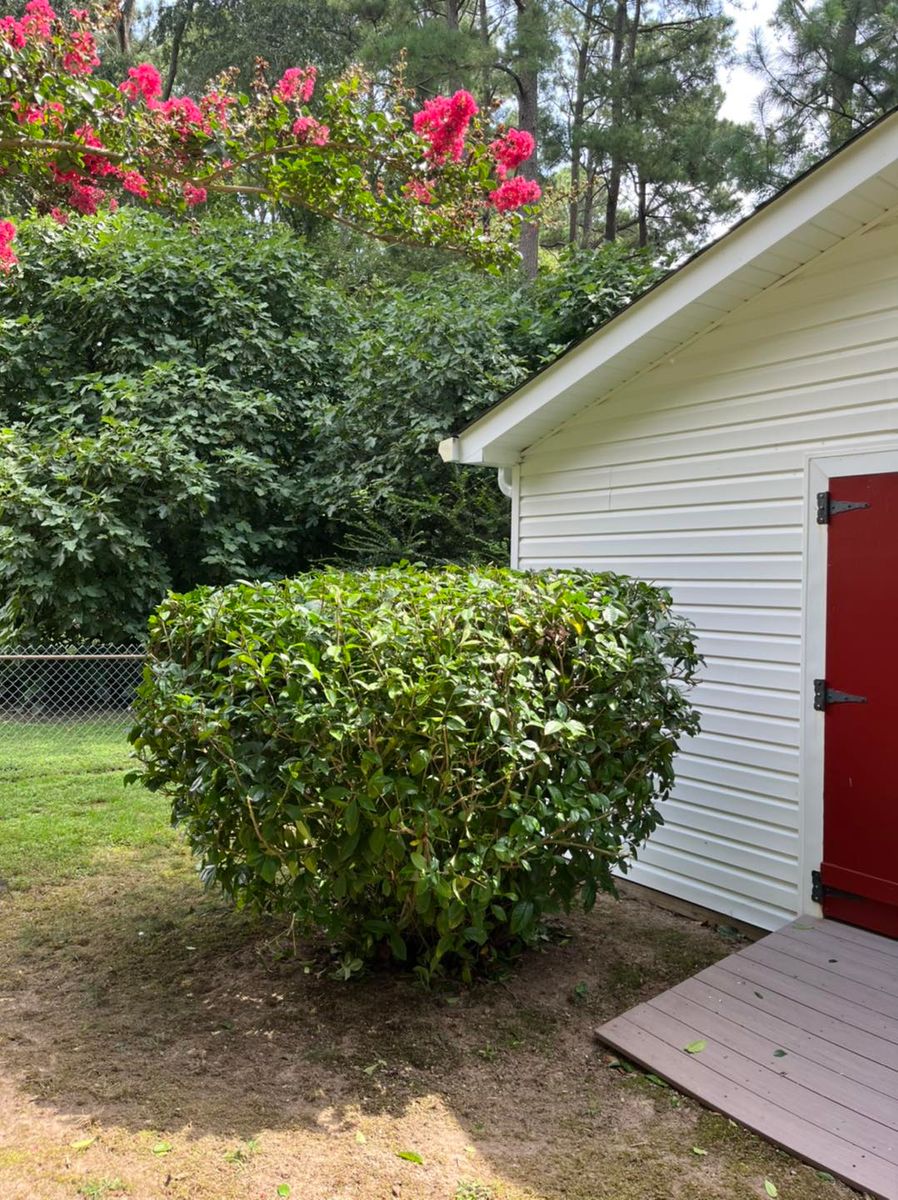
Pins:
x: 771, y: 1189
x: 825, y: 1176
x: 699, y: 1151
x: 82, y: 1143
x: 418, y: 861
x: 410, y: 1156
x: 521, y: 916
x: 779, y: 1054
x: 696, y: 1047
x: 162, y: 1148
x: 417, y: 764
x: 284, y: 1189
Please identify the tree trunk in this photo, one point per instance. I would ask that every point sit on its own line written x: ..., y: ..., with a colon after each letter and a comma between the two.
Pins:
x: 123, y: 26
x: 528, y: 111
x: 841, y: 84
x: 177, y: 40
x: 615, y: 171
x: 577, y: 121
x: 643, y: 214
x: 589, y: 196
x: 526, y: 72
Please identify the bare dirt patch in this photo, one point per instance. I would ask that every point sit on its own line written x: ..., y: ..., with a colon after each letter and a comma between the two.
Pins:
x: 155, y: 1044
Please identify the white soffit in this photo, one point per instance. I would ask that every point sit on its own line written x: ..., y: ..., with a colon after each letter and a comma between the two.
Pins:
x: 840, y: 196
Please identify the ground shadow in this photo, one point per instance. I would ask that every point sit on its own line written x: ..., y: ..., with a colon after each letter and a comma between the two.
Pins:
x: 137, y: 1002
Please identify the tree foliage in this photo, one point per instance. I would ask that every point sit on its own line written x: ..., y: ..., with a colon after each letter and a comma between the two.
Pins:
x: 424, y: 764
x: 195, y: 405
x: 830, y: 68
x: 159, y: 387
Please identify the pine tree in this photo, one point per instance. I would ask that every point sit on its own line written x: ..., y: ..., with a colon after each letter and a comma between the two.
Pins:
x: 647, y: 147
x: 831, y: 67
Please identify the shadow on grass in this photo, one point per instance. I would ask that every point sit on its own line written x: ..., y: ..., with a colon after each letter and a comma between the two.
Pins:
x: 136, y: 980
x: 137, y: 1001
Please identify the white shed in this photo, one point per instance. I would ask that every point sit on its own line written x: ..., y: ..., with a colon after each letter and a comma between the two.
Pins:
x: 733, y: 435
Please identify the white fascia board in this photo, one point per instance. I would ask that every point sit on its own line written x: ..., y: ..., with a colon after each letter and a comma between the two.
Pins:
x: 499, y: 437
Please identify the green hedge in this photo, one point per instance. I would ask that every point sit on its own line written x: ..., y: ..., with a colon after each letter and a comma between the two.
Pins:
x: 424, y: 763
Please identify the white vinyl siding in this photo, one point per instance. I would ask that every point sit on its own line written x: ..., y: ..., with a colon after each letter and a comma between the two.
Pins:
x: 692, y: 475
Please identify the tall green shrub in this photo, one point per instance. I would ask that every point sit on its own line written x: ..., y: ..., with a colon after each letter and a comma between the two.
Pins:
x: 423, y: 763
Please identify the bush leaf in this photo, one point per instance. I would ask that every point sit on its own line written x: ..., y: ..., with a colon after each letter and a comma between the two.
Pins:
x: 410, y: 1156
x: 696, y: 1047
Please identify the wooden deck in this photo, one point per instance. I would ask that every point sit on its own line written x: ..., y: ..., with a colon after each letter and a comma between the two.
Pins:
x: 801, y: 1033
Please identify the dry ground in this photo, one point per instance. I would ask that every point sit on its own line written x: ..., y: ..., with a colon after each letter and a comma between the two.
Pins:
x: 157, y: 1045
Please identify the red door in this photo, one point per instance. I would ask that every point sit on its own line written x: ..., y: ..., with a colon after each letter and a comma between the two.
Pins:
x: 859, y: 873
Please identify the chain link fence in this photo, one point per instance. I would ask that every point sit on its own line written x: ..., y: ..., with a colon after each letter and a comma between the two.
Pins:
x: 66, y: 701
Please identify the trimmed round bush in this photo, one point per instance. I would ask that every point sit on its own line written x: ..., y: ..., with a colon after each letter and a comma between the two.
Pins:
x: 422, y: 763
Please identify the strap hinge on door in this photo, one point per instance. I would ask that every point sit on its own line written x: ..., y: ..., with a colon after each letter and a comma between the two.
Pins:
x: 820, y: 890
x: 825, y: 696
x: 827, y: 508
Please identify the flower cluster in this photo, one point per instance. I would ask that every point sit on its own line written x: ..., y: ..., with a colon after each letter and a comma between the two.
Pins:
x: 194, y: 195
x: 7, y: 236
x: 443, y: 123
x: 143, y: 82
x: 308, y: 131
x: 512, y: 194
x: 510, y: 150
x: 81, y: 56
x: 38, y: 19
x: 296, y: 84
x: 419, y: 191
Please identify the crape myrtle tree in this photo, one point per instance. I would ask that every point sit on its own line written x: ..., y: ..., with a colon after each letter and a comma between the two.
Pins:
x: 349, y: 151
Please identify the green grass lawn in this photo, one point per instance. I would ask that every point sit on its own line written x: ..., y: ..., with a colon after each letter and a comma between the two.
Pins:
x: 64, y: 806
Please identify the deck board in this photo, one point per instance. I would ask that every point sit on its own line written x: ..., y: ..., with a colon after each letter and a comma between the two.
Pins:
x: 826, y: 997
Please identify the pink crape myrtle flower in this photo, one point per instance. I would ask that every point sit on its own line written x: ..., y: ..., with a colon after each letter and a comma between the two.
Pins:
x: 510, y: 150
x: 515, y: 193
x: 134, y: 182
x: 60, y: 217
x: 7, y: 254
x: 296, y: 83
x: 217, y: 104
x: 35, y: 114
x: 86, y: 198
x: 183, y: 113
x: 12, y: 32
x: 419, y: 191
x: 143, y: 81
x: 81, y: 56
x: 38, y: 19
x: 443, y: 123
x: 194, y: 195
x: 309, y: 131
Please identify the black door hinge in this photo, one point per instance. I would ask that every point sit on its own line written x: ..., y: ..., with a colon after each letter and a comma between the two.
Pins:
x: 827, y: 508
x: 820, y: 890
x: 825, y: 696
